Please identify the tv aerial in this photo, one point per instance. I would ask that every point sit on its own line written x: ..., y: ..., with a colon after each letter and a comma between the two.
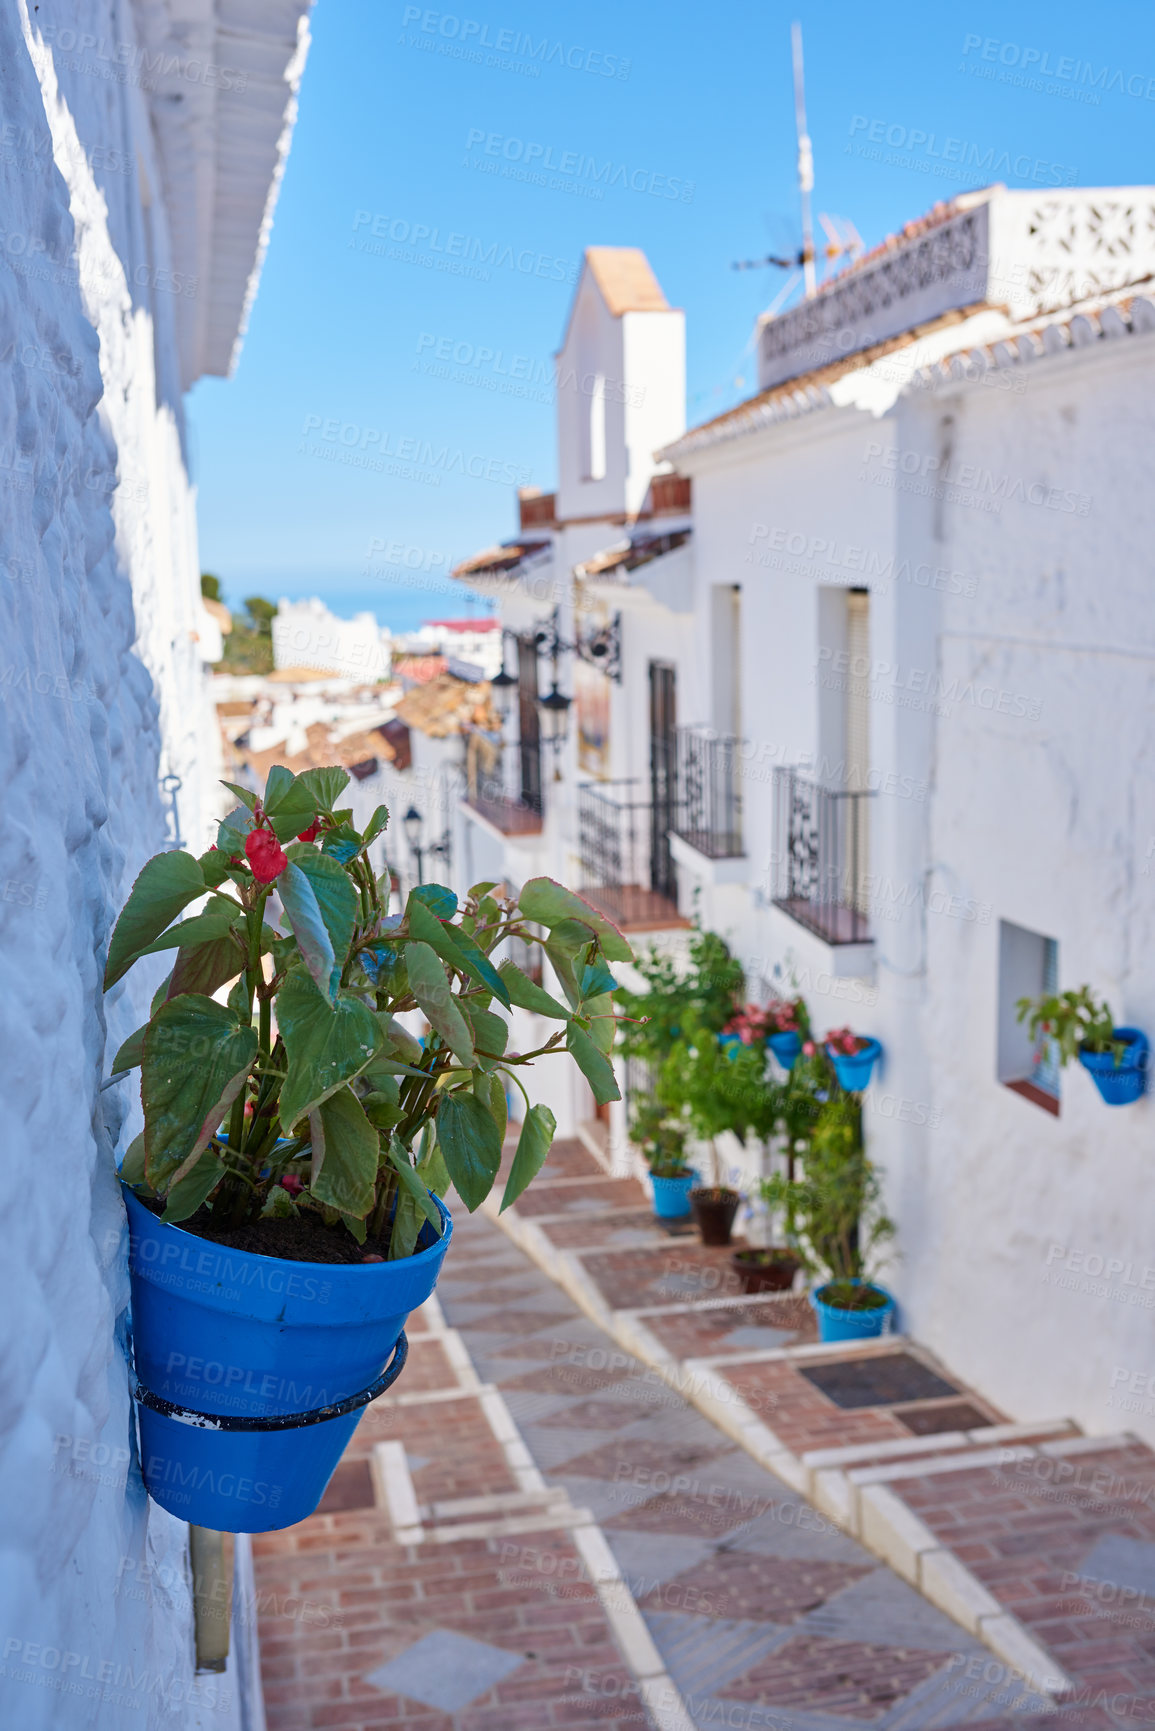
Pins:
x: 842, y: 238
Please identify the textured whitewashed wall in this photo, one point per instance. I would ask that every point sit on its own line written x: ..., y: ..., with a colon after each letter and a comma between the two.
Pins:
x: 1029, y: 1259
x: 102, y: 693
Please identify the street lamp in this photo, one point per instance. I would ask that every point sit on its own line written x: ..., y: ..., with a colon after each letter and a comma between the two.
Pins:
x: 413, y: 824
x: 554, y: 711
x: 503, y: 688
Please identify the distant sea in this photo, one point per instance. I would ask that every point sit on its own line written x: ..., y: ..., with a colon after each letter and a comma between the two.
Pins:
x: 401, y: 604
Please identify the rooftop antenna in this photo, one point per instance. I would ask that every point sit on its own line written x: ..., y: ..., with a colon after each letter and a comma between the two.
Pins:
x: 805, y: 163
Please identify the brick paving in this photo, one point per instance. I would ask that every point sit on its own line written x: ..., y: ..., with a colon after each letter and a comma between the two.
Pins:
x: 763, y: 1611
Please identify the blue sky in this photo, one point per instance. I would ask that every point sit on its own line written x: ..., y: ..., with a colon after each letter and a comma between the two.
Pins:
x: 397, y: 105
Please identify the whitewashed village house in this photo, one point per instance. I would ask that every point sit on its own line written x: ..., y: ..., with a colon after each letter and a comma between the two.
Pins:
x: 143, y: 146
x: 886, y: 719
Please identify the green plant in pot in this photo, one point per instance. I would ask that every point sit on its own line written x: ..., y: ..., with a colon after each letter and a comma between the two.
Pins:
x: 1075, y: 1024
x: 285, y: 1194
x: 715, y: 1089
x: 834, y: 1207
x: 661, y: 1141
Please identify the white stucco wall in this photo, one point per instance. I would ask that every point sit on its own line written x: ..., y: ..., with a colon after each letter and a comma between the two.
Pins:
x: 103, y: 693
x: 1028, y: 1253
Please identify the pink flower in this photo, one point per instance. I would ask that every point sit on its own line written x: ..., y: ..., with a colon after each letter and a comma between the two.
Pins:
x: 292, y: 1184
x: 265, y: 855
x: 809, y: 1048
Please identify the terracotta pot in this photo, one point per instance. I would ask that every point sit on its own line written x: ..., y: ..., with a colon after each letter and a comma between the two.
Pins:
x: 714, y: 1212
x: 769, y: 1270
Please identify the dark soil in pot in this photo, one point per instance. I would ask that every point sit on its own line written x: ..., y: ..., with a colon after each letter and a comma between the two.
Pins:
x: 305, y: 1239
x: 771, y: 1269
x: 714, y: 1212
x: 844, y: 1295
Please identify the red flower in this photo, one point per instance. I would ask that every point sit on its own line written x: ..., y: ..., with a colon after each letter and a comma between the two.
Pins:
x: 310, y: 834
x: 292, y: 1184
x: 265, y: 854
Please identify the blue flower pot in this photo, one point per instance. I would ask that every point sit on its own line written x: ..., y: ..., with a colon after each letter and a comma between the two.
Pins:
x: 853, y: 1069
x: 729, y: 1043
x: 837, y: 1324
x: 785, y: 1047
x: 672, y: 1196
x: 1120, y: 1084
x: 233, y: 1335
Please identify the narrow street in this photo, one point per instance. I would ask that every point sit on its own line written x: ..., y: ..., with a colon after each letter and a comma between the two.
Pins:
x: 535, y: 1531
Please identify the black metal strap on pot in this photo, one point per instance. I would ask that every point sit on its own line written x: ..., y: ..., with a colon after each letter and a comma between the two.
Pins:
x: 279, y: 1421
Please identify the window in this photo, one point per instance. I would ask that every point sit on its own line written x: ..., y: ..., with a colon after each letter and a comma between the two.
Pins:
x: 596, y: 450
x: 1028, y: 967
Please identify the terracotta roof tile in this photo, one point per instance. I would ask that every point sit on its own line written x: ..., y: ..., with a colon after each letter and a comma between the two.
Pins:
x: 626, y: 281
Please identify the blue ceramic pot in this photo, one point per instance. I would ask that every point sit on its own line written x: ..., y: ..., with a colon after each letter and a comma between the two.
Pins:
x: 672, y: 1196
x: 853, y: 1069
x: 1120, y: 1084
x: 785, y: 1047
x: 838, y: 1324
x: 230, y: 1334
x: 729, y: 1043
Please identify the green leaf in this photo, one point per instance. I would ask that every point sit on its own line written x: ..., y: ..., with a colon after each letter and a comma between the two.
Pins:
x: 242, y: 793
x: 290, y: 805
x: 562, y: 963
x: 303, y: 912
x: 336, y: 898
x: 196, y: 1057
x: 324, y: 786
x: 430, y: 986
x: 206, y: 967
x: 528, y: 996
x: 130, y: 1054
x: 490, y: 1090
x: 594, y: 1066
x: 382, y: 1112
x: 166, y: 885
x: 533, y: 1145
x: 345, y: 1148
x: 479, y: 891
x: 279, y: 1205
x: 398, y: 1039
x: 490, y: 1032
x: 431, y: 1168
x: 327, y: 1044
x: 194, y: 1188
x: 342, y: 844
x: 215, y: 867
x: 603, y: 1027
x: 572, y: 936
x: 470, y: 1144
x: 453, y: 946
x: 398, y: 1156
x: 595, y: 980
x: 437, y: 899
x: 232, y: 830
x: 545, y: 901
x: 206, y: 928
x: 378, y: 822
x: 132, y: 1169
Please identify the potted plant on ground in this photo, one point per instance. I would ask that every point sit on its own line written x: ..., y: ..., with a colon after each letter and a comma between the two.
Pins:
x: 284, y: 1197
x: 717, y: 1090
x: 1075, y: 1024
x: 835, y: 1210
x: 663, y: 1147
x: 853, y: 1056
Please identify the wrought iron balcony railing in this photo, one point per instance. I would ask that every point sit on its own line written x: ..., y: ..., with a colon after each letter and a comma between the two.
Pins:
x: 708, y: 811
x: 821, y: 857
x: 625, y: 855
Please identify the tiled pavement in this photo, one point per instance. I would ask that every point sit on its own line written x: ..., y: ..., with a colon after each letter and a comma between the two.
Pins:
x: 535, y: 1530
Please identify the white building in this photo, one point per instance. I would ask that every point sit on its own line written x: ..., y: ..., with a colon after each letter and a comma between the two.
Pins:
x: 884, y: 715
x: 142, y: 151
x: 307, y: 635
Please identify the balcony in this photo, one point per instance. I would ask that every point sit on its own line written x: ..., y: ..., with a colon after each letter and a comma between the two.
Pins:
x: 626, y: 868
x: 510, y: 816
x: 708, y: 810
x: 821, y: 857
